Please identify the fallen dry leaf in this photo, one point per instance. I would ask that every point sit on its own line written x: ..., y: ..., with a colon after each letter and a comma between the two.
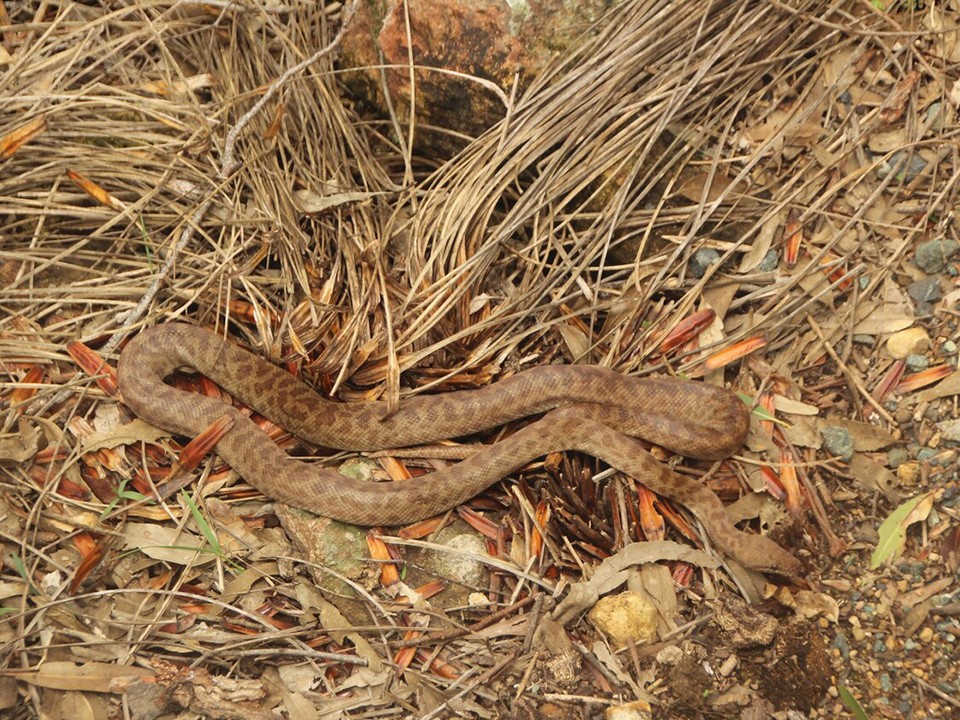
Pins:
x: 91, y: 676
x: 20, y: 447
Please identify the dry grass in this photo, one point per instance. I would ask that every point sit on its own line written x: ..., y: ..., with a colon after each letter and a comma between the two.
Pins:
x: 564, y: 233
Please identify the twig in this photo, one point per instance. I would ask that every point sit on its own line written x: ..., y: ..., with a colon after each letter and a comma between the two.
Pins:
x: 587, y: 699
x: 939, y: 693
x: 851, y: 377
x: 485, y: 678
x: 453, y: 633
x: 229, y: 164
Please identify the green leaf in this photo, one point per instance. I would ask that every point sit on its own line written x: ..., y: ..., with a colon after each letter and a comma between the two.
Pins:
x: 851, y: 702
x: 122, y: 494
x: 202, y: 523
x: 760, y: 412
x: 21, y: 569
x: 893, y: 530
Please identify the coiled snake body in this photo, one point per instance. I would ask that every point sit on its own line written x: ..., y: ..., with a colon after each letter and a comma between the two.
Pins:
x: 589, y: 409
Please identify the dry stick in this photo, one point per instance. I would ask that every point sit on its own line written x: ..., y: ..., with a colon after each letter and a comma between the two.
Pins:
x: 533, y: 621
x: 129, y: 317
x: 527, y: 673
x: 939, y: 693
x: 227, y: 166
x: 412, y: 121
x: 837, y: 544
x: 584, y: 699
x: 39, y: 611
x: 453, y: 633
x: 848, y: 374
x: 485, y: 678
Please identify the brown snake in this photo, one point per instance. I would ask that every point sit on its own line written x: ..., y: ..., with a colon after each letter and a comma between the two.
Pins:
x: 588, y: 409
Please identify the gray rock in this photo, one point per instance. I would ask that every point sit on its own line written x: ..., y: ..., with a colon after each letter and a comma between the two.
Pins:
x: 916, y: 363
x: 703, y: 259
x: 464, y: 565
x: 896, y: 457
x: 948, y: 348
x: 461, y: 568
x: 332, y: 550
x: 841, y: 644
x: 926, y: 453
x: 837, y: 441
x: 926, y: 290
x: 950, y: 429
x: 769, y: 262
x: 932, y: 256
x: 906, y: 167
x: 923, y: 310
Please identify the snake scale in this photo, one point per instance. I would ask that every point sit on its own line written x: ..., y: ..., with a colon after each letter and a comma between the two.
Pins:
x: 589, y: 409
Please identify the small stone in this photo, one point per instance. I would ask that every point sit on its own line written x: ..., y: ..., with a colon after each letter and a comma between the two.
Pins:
x: 932, y: 256
x: 925, y: 635
x: 703, y: 259
x: 745, y: 626
x: 838, y: 441
x: 841, y: 644
x: 948, y: 348
x: 671, y: 655
x: 923, y: 310
x: 926, y: 453
x: 841, y: 584
x: 906, y: 166
x: 868, y: 340
x: 950, y: 429
x: 916, y: 363
x: 926, y: 290
x: 551, y: 711
x: 326, y: 543
x: 905, y: 342
x: 464, y: 564
x: 769, y: 262
x: 625, y: 617
x: 636, y: 710
x: 908, y: 473
x: 897, y: 457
